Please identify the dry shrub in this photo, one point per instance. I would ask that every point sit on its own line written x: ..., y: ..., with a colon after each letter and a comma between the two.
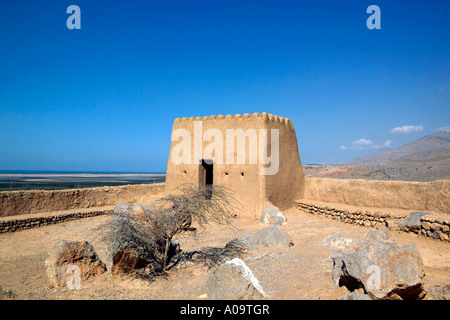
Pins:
x: 150, y: 233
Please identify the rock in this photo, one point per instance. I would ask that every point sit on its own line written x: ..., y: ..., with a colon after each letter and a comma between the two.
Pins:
x: 355, y: 296
x: 435, y: 227
x: 440, y: 235
x: 271, y: 215
x: 384, y: 270
x: 131, y: 258
x: 69, y: 257
x: 337, y: 241
x: 426, y: 225
x: 130, y: 208
x: 233, y: 280
x: 6, y: 294
x: 441, y: 293
x: 392, y: 225
x: 412, y: 222
x: 125, y: 259
x: 273, y: 236
x: 379, y: 235
x: 246, y: 243
x: 336, y: 258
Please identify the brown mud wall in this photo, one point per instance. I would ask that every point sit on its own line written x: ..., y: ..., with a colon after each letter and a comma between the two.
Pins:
x: 34, y: 201
x: 423, y: 196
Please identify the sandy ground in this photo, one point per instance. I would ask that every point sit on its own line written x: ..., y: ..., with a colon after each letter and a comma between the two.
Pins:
x: 299, y: 272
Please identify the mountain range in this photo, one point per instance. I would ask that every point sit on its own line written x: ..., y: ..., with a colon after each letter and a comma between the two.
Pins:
x: 430, y: 149
x: 425, y: 159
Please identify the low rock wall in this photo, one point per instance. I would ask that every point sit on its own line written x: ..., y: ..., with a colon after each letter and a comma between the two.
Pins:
x: 13, y: 225
x: 430, y: 226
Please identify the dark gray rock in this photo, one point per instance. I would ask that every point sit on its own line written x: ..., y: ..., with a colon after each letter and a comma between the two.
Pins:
x: 233, y: 280
x: 384, y: 270
x: 412, y: 222
x: 379, y: 235
x: 273, y: 236
x: 272, y: 215
x: 336, y: 258
x: 245, y: 243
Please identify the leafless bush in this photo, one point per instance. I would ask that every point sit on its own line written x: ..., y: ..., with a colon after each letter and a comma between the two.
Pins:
x: 150, y: 233
x: 125, y: 232
x: 209, y: 257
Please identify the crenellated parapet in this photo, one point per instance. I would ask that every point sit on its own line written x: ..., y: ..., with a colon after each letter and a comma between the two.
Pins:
x: 266, y: 117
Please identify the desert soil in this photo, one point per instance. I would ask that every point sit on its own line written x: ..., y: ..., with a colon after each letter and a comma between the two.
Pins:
x: 299, y: 272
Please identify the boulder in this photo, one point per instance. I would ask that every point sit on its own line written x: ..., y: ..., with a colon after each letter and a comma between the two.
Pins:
x: 272, y: 215
x: 130, y: 258
x: 233, y: 280
x: 337, y: 241
x: 336, y: 258
x: 412, y: 222
x: 379, y: 234
x: 441, y: 293
x: 384, y: 270
x: 355, y: 296
x: 273, y: 236
x: 68, y: 257
x: 245, y: 243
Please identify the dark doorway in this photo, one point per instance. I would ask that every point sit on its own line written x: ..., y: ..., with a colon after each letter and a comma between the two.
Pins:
x: 208, y: 177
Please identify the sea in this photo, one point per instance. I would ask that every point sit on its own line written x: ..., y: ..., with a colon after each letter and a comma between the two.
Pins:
x: 13, y: 180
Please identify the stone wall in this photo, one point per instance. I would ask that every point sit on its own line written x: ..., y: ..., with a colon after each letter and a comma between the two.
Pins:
x: 435, y: 228
x: 35, y: 201
x: 28, y: 223
x: 420, y: 196
x: 432, y: 227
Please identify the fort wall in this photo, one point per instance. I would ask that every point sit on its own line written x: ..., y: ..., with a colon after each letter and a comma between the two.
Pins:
x: 35, y: 201
x: 417, y: 196
x: 422, y: 196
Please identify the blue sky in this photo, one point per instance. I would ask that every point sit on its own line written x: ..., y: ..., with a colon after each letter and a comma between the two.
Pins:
x: 105, y: 97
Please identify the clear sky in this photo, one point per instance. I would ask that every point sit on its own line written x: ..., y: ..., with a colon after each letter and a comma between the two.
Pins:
x: 105, y: 97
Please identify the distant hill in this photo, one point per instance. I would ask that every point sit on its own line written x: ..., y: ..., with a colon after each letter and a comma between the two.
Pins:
x: 425, y: 159
x: 431, y: 148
